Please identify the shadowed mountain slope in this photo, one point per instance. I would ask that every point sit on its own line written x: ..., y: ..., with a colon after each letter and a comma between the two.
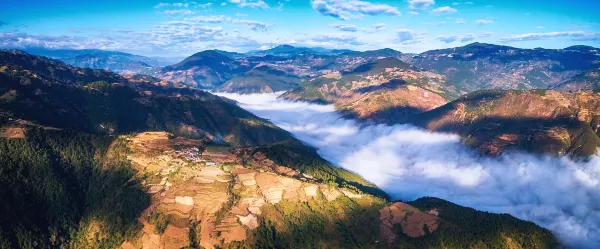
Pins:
x: 540, y: 121
x: 384, y: 90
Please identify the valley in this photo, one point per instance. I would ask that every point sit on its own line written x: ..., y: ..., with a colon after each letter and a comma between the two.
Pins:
x: 304, y: 124
x: 301, y: 148
x: 408, y: 162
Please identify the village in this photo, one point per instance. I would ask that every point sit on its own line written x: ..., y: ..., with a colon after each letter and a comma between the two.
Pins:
x: 193, y: 155
x: 209, y: 156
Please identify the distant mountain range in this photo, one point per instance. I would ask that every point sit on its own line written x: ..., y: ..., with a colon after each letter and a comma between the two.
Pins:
x: 486, y: 66
x: 213, y: 68
x: 469, y: 68
x: 108, y: 60
x: 287, y: 50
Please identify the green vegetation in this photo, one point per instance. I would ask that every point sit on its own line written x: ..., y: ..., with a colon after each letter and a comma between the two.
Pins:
x: 159, y: 220
x: 346, y: 223
x: 318, y: 223
x: 103, y: 108
x: 63, y: 189
x: 260, y: 79
x: 468, y: 228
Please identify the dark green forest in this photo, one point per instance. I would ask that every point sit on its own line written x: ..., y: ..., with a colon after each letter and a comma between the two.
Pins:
x: 55, y: 184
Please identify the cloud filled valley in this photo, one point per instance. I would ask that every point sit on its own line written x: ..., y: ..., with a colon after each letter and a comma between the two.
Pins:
x: 408, y: 162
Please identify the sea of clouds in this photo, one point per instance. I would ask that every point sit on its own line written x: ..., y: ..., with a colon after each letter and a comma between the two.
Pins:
x: 408, y: 162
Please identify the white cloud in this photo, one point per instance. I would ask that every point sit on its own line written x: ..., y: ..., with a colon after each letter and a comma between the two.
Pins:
x: 209, y: 19
x: 574, y: 35
x: 250, y: 3
x: 460, y: 21
x: 182, y: 5
x: 179, y: 12
x: 420, y: 4
x: 407, y: 162
x: 483, y: 22
x: 539, y: 27
x: 352, y: 9
x: 254, y: 25
x: 333, y: 40
x: 435, y: 23
x: 414, y: 13
x: 345, y: 27
x: 353, y: 28
x: 176, y: 5
x: 443, y: 10
x: 379, y: 27
x: 407, y: 36
x: 447, y: 39
x: 462, y: 37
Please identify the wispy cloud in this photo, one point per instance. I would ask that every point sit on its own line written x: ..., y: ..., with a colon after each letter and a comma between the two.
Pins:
x: 352, y: 9
x: 179, y: 12
x: 250, y: 3
x: 353, y: 28
x: 462, y: 37
x: 345, y: 27
x: 182, y: 5
x: 443, y: 10
x: 460, y: 21
x: 574, y: 35
x: 335, y: 40
x: 175, y: 5
x: 420, y: 4
x: 209, y: 19
x: 379, y: 27
x: 459, y: 3
x: 447, y: 39
x: 254, y: 25
x: 407, y: 36
x: 483, y: 22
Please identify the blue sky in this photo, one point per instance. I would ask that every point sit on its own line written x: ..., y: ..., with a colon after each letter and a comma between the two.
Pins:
x: 179, y: 28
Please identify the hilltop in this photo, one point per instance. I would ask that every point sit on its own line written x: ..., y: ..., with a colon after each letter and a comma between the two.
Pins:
x: 539, y: 121
x: 383, y: 90
x: 49, y: 93
x: 261, y: 79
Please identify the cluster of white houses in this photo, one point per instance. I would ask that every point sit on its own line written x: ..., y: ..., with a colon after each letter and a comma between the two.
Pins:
x: 194, y: 155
